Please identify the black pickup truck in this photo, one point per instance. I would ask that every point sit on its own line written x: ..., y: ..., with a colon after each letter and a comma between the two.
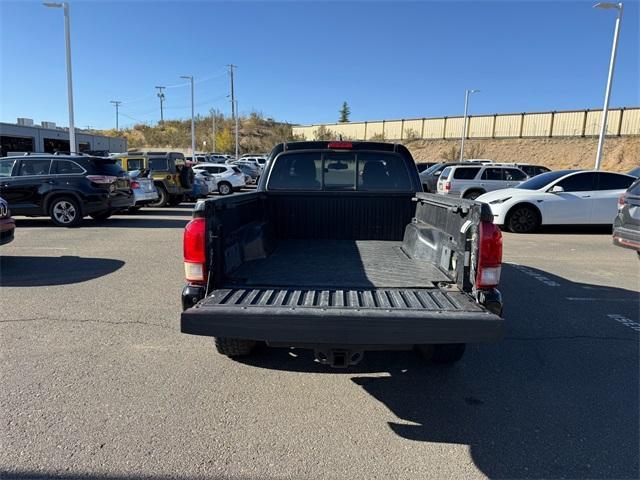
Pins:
x: 339, y: 250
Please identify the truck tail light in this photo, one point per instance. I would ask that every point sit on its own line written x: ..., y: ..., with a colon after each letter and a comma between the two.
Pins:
x: 195, y: 255
x: 489, y: 256
x: 102, y: 179
x: 447, y: 186
x: 135, y: 184
x: 340, y: 145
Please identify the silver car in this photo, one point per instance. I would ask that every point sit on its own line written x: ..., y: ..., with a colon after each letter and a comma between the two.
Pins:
x: 144, y: 190
x: 471, y: 181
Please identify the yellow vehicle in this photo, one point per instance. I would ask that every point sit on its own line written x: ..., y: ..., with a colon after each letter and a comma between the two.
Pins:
x: 171, y: 175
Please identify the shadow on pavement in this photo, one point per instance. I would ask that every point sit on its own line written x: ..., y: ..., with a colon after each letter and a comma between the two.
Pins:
x: 557, y: 398
x: 19, y: 271
x: 125, y: 221
x: 160, y: 212
x: 576, y: 229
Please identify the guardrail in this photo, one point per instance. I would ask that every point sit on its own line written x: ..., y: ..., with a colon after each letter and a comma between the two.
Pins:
x: 574, y: 123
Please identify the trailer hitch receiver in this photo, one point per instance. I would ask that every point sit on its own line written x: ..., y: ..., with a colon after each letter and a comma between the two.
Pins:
x: 338, y: 357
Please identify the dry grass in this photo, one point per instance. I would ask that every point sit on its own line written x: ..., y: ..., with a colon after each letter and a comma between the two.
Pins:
x: 621, y: 154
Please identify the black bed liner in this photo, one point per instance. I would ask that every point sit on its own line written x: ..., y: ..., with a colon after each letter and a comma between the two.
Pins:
x: 328, y: 298
x: 347, y: 263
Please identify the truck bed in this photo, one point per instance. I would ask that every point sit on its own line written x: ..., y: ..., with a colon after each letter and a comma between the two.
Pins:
x: 347, y: 264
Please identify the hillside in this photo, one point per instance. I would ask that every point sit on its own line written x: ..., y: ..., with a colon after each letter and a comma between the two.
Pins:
x: 621, y: 154
x: 257, y: 134
x: 260, y: 134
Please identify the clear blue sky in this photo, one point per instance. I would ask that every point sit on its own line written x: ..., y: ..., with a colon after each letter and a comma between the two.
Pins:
x: 299, y: 61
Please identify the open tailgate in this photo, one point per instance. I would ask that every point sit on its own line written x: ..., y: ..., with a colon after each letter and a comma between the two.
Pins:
x: 337, y: 316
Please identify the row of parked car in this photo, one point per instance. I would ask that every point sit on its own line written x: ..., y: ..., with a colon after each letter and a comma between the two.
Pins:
x: 251, y: 165
x: 69, y: 187
x: 522, y: 197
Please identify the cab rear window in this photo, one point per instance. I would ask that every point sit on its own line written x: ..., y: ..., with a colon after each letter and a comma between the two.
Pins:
x: 339, y: 171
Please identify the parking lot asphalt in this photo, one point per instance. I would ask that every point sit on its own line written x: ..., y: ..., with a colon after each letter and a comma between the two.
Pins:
x: 97, y: 381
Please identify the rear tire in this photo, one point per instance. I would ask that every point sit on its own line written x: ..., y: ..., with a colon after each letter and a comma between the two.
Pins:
x: 175, y: 200
x: 65, y: 212
x: 225, y: 188
x: 443, y: 354
x: 473, y: 194
x: 523, y: 219
x: 163, y: 198
x: 234, y: 347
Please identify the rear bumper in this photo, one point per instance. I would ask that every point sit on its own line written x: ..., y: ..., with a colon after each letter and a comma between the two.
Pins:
x: 7, y: 229
x: 144, y: 198
x: 295, y: 325
x: 626, y: 238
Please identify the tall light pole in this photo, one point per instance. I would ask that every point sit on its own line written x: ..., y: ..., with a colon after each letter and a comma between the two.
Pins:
x: 117, y: 105
x: 612, y: 63
x: 193, y: 122
x: 464, y: 123
x: 67, y: 34
x: 161, y: 97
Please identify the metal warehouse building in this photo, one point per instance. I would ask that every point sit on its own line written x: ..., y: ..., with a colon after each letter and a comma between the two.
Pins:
x: 47, y: 138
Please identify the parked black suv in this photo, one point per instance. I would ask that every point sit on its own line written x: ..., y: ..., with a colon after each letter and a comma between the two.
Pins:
x: 64, y: 187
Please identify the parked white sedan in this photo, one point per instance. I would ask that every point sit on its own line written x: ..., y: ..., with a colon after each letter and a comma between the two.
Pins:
x: 563, y: 197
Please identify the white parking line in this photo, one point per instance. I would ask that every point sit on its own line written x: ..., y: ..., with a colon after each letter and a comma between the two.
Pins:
x: 625, y: 321
x: 541, y: 278
x: 594, y: 299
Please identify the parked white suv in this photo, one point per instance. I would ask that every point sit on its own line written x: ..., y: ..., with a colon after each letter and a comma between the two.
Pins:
x: 471, y: 181
x: 228, y: 177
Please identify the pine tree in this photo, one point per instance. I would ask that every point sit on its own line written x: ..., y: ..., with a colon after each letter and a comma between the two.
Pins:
x: 345, y: 111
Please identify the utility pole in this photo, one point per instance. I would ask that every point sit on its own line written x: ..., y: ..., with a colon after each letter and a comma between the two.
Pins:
x: 233, y: 102
x: 161, y: 97
x: 213, y: 129
x: 116, y: 104
x: 193, y: 123
x: 233, y: 98
x: 237, y: 149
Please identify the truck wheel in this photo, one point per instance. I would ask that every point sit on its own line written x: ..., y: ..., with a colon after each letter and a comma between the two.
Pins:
x: 163, y: 198
x: 224, y: 188
x: 234, y: 347
x: 445, y: 353
x: 65, y: 212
